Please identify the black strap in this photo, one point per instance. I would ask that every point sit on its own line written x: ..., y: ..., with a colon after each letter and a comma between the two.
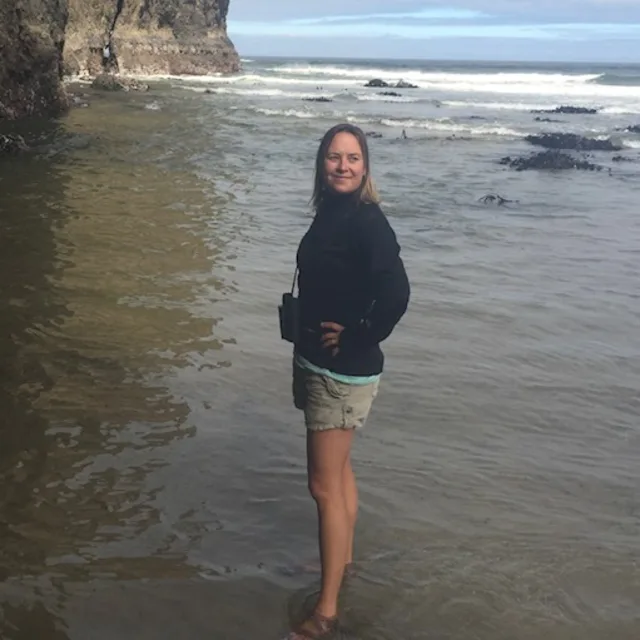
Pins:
x: 293, y: 284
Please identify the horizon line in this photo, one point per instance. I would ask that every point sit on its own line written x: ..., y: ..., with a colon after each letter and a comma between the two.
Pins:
x: 443, y: 59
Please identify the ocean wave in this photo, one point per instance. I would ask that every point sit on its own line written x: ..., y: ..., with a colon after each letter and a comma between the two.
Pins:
x: 289, y: 113
x: 621, y: 111
x: 271, y: 93
x: 631, y: 144
x: 554, y: 87
x: 440, y: 126
x: 500, y: 106
x: 618, y: 79
x: 373, y: 97
x: 431, y: 77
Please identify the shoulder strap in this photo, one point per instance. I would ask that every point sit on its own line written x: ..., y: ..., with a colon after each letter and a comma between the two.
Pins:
x: 293, y: 284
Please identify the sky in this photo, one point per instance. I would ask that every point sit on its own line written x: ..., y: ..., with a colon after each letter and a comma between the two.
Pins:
x: 533, y: 30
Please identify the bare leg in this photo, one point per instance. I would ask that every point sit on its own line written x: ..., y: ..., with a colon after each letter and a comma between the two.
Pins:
x: 327, y: 455
x: 351, y: 498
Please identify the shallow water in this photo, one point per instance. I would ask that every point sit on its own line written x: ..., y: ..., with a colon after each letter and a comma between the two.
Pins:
x: 152, y: 466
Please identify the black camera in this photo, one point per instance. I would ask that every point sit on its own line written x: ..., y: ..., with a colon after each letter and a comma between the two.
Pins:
x: 289, y: 312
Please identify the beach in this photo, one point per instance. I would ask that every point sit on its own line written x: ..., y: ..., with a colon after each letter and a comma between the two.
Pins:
x: 152, y: 465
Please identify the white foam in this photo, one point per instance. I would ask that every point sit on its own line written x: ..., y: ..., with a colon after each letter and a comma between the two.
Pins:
x: 622, y: 111
x: 380, y: 98
x: 432, y: 77
x: 512, y: 106
x: 290, y: 113
x: 632, y: 144
x: 441, y: 126
x: 271, y: 93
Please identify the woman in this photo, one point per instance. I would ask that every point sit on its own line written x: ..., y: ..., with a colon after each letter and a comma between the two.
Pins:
x: 353, y: 291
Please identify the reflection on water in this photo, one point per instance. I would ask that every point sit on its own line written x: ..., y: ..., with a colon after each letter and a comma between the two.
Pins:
x: 108, y: 268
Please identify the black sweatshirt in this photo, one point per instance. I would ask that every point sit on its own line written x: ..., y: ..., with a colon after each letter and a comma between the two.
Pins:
x: 351, y: 273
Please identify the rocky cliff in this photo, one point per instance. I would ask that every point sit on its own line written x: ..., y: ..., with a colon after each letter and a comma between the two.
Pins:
x: 31, y: 43
x: 150, y: 36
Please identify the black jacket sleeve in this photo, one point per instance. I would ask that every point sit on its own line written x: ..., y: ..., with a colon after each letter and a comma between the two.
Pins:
x: 389, y: 283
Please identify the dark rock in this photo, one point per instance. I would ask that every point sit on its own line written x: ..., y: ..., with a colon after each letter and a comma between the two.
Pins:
x: 12, y: 144
x: 148, y: 36
x: 539, y: 119
x: 109, y: 82
x: 392, y: 94
x: 568, y: 110
x: 634, y: 128
x: 403, y: 84
x: 31, y: 43
x: 77, y: 101
x: 571, y: 141
x: 550, y: 160
x: 373, y: 134
x: 494, y: 198
x: 319, y: 99
x: 376, y: 82
x: 622, y: 159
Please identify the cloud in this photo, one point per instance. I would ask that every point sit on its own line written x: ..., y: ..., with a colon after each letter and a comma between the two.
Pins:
x: 487, y: 23
x: 422, y: 14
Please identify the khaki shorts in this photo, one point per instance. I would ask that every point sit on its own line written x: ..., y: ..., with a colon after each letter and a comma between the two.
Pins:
x: 329, y: 404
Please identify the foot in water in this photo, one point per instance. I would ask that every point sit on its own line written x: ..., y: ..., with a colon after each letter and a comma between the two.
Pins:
x: 316, y: 627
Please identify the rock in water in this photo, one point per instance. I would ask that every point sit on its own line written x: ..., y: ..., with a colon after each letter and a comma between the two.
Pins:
x: 550, y: 160
x: 319, y: 99
x: 151, y: 37
x: 568, y: 109
x: 571, y: 141
x: 110, y: 82
x: 376, y: 82
x: 495, y: 198
x: 107, y: 82
x: 12, y: 144
x: 634, y: 128
x: 403, y: 84
x: 31, y: 42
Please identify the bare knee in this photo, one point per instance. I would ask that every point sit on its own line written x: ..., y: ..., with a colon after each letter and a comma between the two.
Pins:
x: 325, y: 490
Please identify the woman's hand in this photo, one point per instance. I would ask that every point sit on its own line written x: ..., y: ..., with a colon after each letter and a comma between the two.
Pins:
x: 331, y: 336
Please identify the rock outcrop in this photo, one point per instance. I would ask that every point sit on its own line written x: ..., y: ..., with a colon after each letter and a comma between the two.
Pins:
x: 568, y: 109
x: 382, y: 84
x: 149, y: 37
x: 31, y: 42
x: 12, y: 144
x: 572, y: 141
x: 551, y: 160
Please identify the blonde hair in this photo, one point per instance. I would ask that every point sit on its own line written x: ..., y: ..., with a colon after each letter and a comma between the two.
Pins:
x: 366, y: 192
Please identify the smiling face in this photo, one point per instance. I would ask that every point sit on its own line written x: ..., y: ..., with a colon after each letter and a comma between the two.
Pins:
x: 344, y: 164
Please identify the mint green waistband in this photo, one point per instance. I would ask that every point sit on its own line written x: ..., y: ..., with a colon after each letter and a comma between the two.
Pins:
x: 359, y: 380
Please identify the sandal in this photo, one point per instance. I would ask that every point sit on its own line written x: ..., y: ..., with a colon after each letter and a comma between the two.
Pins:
x: 317, y: 627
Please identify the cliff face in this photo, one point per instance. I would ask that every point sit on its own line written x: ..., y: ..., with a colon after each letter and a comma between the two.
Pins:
x: 150, y: 36
x: 31, y: 43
